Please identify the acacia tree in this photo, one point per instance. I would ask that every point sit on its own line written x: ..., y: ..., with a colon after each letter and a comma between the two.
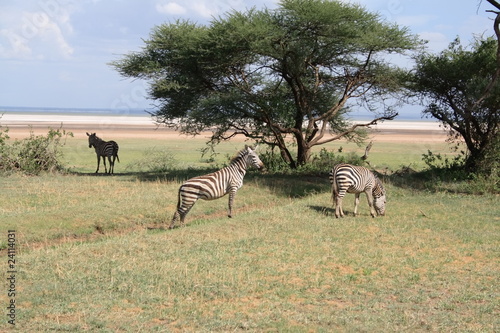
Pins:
x: 460, y: 88
x: 272, y: 75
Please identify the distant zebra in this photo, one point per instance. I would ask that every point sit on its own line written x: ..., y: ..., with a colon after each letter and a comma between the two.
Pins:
x: 346, y: 178
x: 215, y: 185
x: 105, y: 149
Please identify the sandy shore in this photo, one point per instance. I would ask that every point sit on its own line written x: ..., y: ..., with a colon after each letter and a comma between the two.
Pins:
x: 144, y: 127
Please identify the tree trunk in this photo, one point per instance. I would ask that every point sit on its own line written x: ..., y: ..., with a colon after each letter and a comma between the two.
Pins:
x: 303, y: 149
x: 303, y: 154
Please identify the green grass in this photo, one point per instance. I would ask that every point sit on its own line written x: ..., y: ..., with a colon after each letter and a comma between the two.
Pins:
x: 88, y: 262
x: 80, y: 158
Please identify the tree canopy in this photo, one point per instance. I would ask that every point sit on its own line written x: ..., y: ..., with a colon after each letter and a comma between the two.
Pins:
x: 460, y: 88
x: 273, y: 75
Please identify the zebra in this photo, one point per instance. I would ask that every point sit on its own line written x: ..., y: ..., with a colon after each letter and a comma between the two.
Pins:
x: 105, y: 149
x: 356, y: 179
x: 217, y: 184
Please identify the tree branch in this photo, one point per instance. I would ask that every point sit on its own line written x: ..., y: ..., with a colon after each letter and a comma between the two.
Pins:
x: 496, y: 74
x: 354, y: 127
x: 494, y: 3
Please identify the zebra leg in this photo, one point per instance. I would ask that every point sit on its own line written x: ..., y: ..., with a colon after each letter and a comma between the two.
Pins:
x: 174, y: 219
x: 180, y: 214
x: 183, y: 207
x: 104, y: 161
x: 369, y: 197
x: 356, y: 203
x: 98, y: 163
x: 111, y: 164
x: 338, y: 206
x: 232, y: 193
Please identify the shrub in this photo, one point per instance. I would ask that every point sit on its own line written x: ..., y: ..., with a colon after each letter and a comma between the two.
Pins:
x: 273, y: 162
x: 34, y: 154
x: 324, y: 161
x: 155, y: 160
x: 320, y: 163
x: 452, y: 171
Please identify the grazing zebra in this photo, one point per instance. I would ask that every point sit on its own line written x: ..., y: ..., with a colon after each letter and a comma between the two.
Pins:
x: 105, y: 149
x: 356, y: 179
x: 215, y: 185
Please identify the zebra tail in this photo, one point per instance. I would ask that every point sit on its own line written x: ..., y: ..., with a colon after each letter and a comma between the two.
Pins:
x: 115, y: 150
x: 334, y: 188
x: 179, y: 198
x: 333, y: 180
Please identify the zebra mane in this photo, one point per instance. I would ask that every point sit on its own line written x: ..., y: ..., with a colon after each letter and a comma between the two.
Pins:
x: 378, y: 183
x: 242, y: 153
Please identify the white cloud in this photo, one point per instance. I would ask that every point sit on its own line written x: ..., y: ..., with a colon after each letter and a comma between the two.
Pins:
x: 479, y: 25
x: 48, y: 38
x: 13, y: 45
x: 37, y: 32
x: 414, y: 20
x: 437, y: 41
x: 203, y: 10
x: 171, y: 8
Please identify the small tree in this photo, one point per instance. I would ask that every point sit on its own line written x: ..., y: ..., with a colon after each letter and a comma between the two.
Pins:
x: 454, y: 84
x: 460, y: 87
x: 272, y: 75
x: 34, y: 154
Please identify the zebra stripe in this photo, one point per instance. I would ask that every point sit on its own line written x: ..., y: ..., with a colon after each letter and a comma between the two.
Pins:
x: 105, y: 149
x: 217, y: 184
x: 346, y: 178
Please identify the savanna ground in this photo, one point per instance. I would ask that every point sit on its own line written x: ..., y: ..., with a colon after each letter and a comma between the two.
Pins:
x: 90, y: 259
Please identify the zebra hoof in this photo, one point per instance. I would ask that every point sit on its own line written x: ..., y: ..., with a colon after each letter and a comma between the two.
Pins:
x: 230, y: 216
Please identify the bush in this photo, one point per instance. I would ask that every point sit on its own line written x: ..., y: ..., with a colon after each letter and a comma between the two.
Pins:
x: 444, y: 167
x: 453, y: 172
x: 320, y: 164
x: 489, y: 165
x: 324, y: 161
x: 273, y: 162
x: 32, y: 155
x: 154, y: 160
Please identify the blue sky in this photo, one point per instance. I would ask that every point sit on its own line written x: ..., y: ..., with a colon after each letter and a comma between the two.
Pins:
x: 54, y: 53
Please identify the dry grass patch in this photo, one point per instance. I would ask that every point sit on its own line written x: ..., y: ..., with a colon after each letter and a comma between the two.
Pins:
x: 87, y: 261
x: 284, y: 266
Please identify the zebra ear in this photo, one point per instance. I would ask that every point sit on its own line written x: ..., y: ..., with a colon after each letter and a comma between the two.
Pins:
x: 252, y: 148
x: 87, y: 133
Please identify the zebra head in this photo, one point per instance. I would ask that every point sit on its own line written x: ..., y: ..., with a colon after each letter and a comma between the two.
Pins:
x: 93, y: 139
x: 379, y: 199
x: 253, y: 159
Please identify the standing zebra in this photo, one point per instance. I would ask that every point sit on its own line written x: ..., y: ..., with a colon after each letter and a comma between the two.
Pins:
x: 105, y: 149
x: 215, y: 185
x: 346, y: 178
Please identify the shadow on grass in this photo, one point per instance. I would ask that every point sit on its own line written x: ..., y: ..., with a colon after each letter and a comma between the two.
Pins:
x: 449, y: 180
x: 294, y: 186
x: 170, y: 176
x: 291, y: 186
x: 301, y: 185
x: 428, y: 181
x: 326, y: 211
